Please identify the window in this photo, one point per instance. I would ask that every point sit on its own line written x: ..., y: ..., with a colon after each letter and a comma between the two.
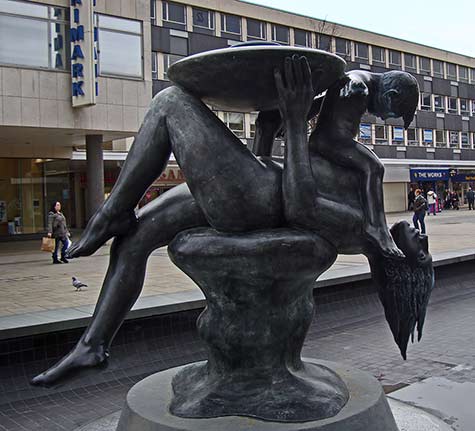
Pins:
x: 343, y: 48
x: 324, y: 42
x: 409, y: 62
x: 280, y: 34
x: 203, y: 18
x: 153, y: 12
x: 439, y: 103
x: 302, y: 38
x: 178, y: 45
x: 168, y: 60
x: 438, y: 68
x: 173, y: 12
x: 452, y: 105
x: 464, y: 107
x: 252, y: 125
x: 440, y: 138
x: 473, y: 107
x: 472, y: 76
x: 120, y: 46
x: 256, y: 29
x: 378, y: 54
x: 463, y: 73
x: 235, y: 122
x: 361, y: 51
x: 464, y: 140
x: 412, y: 137
x: 428, y: 137
x: 154, y: 65
x: 426, y: 103
x: 365, y: 134
x: 451, y: 71
x: 34, y: 35
x: 394, y: 59
x: 424, y: 66
x: 231, y: 23
x: 380, y: 134
x: 398, y: 135
x: 454, y: 90
x: 454, y: 139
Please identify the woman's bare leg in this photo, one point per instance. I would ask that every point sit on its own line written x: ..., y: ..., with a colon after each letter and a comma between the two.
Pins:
x: 220, y: 171
x: 158, y: 223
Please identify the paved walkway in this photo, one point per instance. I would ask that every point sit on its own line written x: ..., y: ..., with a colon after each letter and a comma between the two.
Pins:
x: 29, y: 283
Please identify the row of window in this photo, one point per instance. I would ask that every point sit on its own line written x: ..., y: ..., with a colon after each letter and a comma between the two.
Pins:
x: 382, y: 134
x: 36, y: 35
x: 356, y: 51
x: 446, y: 104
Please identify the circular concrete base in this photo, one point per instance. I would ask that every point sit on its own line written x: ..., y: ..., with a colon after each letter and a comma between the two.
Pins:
x: 147, y: 403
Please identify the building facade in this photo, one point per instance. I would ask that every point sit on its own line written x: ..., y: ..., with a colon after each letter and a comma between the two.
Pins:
x: 76, y: 78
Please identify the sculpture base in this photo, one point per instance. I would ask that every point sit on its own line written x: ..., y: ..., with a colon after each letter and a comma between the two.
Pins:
x: 147, y: 408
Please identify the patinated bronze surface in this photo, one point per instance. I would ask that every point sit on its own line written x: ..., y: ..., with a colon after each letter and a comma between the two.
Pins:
x: 325, y: 199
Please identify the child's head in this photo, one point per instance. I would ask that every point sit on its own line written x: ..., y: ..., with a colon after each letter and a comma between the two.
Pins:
x: 399, y: 96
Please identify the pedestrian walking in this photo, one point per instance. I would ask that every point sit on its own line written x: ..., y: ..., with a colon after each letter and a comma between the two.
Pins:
x: 470, y: 198
x: 58, y: 229
x: 410, y: 199
x: 420, y: 208
x: 431, y: 201
x: 454, y: 196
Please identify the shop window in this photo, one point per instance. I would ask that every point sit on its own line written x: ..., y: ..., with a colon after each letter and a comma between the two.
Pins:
x: 302, y: 38
x: 34, y: 35
x: 439, y: 103
x: 452, y: 105
x: 464, y: 107
x: 464, y: 140
x: 168, y: 60
x: 454, y: 139
x: 438, y: 67
x: 178, y: 45
x: 394, y: 59
x: 440, y: 139
x: 426, y: 102
x: 463, y: 74
x: 120, y: 46
x: 424, y: 66
x: 361, y: 51
x: 256, y: 29
x: 378, y: 55
x: 451, y: 71
x: 324, y: 42
x: 231, y: 23
x: 343, y: 48
x: 173, y: 12
x: 410, y: 62
x: 412, y: 138
x: 280, y: 34
x: 380, y: 134
x: 235, y: 122
x: 203, y: 18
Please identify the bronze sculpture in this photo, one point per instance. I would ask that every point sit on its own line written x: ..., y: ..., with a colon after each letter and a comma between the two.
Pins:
x: 231, y: 190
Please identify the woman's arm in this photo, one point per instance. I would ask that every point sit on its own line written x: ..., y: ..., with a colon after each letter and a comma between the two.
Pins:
x: 295, y: 100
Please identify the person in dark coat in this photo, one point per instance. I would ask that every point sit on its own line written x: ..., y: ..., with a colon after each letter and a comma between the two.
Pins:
x: 420, y: 207
x: 410, y: 199
x: 58, y: 229
x: 470, y: 198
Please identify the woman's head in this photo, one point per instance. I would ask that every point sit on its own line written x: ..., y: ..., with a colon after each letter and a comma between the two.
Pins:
x: 56, y: 207
x: 418, y: 192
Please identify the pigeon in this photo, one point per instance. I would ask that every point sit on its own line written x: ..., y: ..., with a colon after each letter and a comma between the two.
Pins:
x: 79, y: 285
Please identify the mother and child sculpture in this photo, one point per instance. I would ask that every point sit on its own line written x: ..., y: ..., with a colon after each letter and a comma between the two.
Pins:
x: 255, y: 233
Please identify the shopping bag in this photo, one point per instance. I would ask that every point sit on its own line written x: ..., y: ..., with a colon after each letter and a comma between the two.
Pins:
x: 47, y: 244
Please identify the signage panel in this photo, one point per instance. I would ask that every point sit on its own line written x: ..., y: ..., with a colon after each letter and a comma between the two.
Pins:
x: 418, y: 175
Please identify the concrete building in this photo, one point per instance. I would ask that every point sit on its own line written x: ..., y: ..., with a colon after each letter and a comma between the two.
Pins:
x: 76, y: 78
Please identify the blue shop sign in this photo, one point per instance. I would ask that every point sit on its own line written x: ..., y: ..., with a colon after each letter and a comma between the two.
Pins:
x: 464, y: 177
x: 418, y: 175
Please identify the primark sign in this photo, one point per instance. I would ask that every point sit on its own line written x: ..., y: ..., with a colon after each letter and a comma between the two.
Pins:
x: 84, y: 84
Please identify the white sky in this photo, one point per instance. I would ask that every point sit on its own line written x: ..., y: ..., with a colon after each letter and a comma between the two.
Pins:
x: 444, y: 24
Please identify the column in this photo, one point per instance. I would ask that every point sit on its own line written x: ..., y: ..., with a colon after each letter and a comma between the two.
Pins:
x: 95, y: 174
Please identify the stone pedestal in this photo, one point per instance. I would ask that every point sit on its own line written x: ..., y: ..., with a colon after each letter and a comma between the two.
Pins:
x: 258, y: 289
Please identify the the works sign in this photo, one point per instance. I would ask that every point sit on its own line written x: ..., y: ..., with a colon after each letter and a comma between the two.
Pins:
x: 418, y: 175
x: 83, y: 53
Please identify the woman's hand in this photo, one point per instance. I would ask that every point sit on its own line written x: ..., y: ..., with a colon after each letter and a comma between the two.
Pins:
x: 295, y: 88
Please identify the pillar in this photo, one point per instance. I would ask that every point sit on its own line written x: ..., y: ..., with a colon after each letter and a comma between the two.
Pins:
x: 95, y: 173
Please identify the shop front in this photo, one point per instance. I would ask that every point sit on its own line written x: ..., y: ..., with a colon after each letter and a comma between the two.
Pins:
x: 436, y: 179
x: 171, y: 177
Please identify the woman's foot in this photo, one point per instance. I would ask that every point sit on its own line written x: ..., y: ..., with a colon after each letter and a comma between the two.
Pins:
x: 101, y: 228
x: 80, y: 358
